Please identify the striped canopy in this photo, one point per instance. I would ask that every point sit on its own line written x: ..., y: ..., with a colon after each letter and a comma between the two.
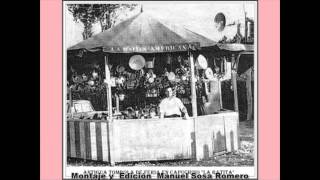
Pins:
x: 143, y: 34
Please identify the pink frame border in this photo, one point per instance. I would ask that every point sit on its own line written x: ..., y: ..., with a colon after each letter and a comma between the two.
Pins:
x: 51, y: 89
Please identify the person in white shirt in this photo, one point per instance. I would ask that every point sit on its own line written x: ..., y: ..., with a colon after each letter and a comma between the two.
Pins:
x: 172, y: 106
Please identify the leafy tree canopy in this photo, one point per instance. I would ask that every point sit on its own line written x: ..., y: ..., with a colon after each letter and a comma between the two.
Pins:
x: 89, y: 14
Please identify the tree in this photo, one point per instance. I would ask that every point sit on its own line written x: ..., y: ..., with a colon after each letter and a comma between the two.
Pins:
x: 105, y: 14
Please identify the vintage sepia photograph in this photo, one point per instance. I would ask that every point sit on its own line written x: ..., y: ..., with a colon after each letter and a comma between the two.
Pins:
x: 159, y: 85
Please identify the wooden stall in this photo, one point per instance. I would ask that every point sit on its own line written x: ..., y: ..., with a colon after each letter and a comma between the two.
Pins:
x: 114, y: 140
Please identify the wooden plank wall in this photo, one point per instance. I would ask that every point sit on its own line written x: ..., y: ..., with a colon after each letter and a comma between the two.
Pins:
x: 146, y: 140
x: 87, y: 140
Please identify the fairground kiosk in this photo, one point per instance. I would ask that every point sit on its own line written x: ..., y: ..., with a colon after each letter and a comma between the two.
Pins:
x: 140, y: 57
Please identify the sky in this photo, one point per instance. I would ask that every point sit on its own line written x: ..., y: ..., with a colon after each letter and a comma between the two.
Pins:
x: 195, y: 16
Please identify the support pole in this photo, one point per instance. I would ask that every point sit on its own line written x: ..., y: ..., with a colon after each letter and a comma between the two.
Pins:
x: 117, y: 104
x: 220, y: 95
x: 194, y: 106
x: 110, y: 120
x: 71, y: 103
x: 193, y: 86
x: 234, y: 83
x: 109, y: 95
x: 249, y: 94
x: 222, y: 71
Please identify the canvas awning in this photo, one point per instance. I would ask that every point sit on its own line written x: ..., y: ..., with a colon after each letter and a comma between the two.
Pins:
x: 236, y: 47
x: 144, y: 34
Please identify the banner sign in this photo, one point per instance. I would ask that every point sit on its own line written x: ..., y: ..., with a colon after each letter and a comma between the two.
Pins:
x: 152, y: 48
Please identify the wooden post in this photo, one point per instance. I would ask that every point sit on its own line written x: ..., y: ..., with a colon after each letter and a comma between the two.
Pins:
x: 234, y: 83
x: 219, y: 85
x: 111, y: 139
x: 110, y: 120
x: 117, y: 104
x: 234, y: 67
x: 249, y: 93
x: 109, y: 101
x: 193, y: 86
x: 71, y: 104
x: 109, y: 95
x: 194, y: 103
x: 222, y: 70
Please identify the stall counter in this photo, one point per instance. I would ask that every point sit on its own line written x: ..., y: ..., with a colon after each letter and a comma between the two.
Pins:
x: 127, y: 140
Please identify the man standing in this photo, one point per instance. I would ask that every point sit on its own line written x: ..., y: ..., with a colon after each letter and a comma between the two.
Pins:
x: 172, y: 106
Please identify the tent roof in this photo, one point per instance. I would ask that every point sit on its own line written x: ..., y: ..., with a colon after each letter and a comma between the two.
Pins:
x: 143, y: 34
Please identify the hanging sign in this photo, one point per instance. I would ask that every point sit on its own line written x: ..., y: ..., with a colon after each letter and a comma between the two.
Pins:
x: 152, y: 48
